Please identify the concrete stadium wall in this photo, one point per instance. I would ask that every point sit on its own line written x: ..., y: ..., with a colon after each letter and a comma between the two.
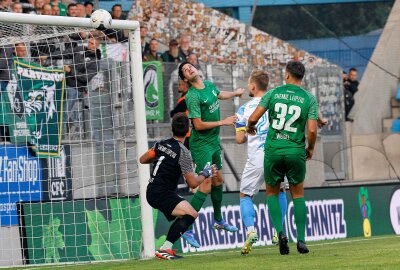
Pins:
x: 375, y: 157
x: 379, y: 83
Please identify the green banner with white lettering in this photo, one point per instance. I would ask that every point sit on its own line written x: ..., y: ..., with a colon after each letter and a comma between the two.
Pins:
x: 153, y: 90
x: 34, y: 107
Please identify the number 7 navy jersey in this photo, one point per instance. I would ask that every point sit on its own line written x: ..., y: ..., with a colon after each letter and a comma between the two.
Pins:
x: 172, y: 159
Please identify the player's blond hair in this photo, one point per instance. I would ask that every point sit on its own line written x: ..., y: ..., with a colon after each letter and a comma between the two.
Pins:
x: 260, y: 78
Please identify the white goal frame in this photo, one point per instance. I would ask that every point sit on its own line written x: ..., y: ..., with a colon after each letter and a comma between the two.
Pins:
x: 136, y: 69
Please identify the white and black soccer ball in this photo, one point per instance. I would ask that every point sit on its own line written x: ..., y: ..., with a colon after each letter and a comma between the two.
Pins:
x: 101, y: 19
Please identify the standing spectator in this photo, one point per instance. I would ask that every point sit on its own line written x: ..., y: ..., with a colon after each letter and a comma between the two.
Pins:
x: 20, y: 50
x: 72, y: 10
x: 112, y: 34
x: 116, y: 12
x: 47, y: 10
x: 16, y: 8
x: 145, y: 45
x: 350, y: 84
x: 184, y: 48
x: 153, y: 55
x: 81, y: 71
x: 88, y: 8
x: 62, y: 9
x: 5, y: 5
x: 172, y: 55
x: 56, y: 10
x: 39, y: 4
x: 81, y: 10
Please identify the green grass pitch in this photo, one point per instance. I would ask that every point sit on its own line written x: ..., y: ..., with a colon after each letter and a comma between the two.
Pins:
x: 357, y: 253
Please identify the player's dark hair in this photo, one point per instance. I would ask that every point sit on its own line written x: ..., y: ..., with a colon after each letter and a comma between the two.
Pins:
x: 116, y: 5
x: 180, y: 69
x: 296, y: 69
x: 180, y: 125
x: 260, y: 78
x: 352, y: 69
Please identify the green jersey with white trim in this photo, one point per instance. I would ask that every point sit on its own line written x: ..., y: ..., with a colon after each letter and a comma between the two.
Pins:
x: 289, y: 107
x: 204, y: 104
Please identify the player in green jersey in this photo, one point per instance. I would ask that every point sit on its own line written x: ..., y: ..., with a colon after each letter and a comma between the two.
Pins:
x: 290, y: 109
x: 202, y: 101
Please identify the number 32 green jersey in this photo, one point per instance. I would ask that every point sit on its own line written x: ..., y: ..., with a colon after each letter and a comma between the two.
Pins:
x: 289, y: 107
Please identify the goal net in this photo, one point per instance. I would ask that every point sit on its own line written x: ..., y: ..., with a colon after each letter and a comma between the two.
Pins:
x: 71, y: 127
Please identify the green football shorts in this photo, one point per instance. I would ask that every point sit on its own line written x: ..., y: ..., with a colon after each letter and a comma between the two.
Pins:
x: 200, y: 159
x: 291, y: 165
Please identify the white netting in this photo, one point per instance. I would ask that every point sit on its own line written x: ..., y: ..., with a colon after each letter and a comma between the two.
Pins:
x: 68, y: 172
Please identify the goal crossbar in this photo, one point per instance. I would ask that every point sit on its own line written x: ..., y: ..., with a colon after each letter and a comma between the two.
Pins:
x: 8, y: 17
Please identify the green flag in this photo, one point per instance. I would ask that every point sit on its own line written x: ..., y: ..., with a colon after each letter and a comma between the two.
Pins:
x: 35, y: 104
x: 153, y: 89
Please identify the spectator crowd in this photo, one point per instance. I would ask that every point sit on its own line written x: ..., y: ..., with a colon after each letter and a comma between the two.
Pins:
x: 79, y: 52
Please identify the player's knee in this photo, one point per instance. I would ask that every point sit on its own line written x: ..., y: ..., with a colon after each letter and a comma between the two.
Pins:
x: 205, y: 187
x: 217, y: 181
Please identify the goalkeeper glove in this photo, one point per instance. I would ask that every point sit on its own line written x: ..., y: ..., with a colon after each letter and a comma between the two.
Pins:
x: 207, y: 171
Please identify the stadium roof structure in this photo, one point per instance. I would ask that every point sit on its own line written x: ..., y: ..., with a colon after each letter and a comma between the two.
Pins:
x: 242, y: 8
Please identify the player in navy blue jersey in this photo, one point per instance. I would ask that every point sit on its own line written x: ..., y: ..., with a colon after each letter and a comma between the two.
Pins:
x: 171, y: 159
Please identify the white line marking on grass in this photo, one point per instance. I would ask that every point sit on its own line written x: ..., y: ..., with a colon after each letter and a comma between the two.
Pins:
x: 274, y: 247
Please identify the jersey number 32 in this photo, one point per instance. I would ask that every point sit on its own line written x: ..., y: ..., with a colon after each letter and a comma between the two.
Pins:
x: 282, y: 111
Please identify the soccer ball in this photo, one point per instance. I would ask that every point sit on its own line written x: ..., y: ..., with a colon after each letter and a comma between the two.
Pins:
x: 101, y: 19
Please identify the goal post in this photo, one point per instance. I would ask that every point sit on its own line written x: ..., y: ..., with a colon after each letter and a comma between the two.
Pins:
x: 137, y: 96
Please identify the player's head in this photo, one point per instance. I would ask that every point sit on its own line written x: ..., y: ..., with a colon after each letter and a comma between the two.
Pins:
x: 183, y: 87
x: 295, y: 71
x: 258, y: 81
x: 180, y: 125
x: 187, y: 72
x: 352, y: 74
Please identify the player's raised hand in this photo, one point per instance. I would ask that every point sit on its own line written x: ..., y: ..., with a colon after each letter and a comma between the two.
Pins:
x: 239, y: 92
x: 229, y: 121
x: 309, y: 153
x: 251, y: 130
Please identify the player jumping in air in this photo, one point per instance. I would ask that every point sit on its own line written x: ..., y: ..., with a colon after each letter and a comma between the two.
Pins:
x: 202, y: 101
x: 290, y: 108
x: 253, y: 174
x: 171, y: 159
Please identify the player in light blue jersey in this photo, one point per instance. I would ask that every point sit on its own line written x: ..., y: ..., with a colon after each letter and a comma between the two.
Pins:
x: 253, y: 174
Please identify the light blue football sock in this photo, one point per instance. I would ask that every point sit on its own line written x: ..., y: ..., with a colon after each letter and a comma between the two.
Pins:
x: 247, y: 211
x: 283, y: 204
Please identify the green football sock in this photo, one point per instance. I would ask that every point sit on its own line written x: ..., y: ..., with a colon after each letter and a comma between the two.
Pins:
x: 216, y: 198
x: 197, y: 202
x: 300, y: 215
x: 275, y: 212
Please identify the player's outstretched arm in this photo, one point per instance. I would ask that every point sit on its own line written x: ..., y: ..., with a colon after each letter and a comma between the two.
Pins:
x: 148, y: 157
x: 227, y: 95
x: 321, y: 122
x: 311, y: 137
x: 201, y: 125
x: 254, y: 117
x: 194, y: 181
